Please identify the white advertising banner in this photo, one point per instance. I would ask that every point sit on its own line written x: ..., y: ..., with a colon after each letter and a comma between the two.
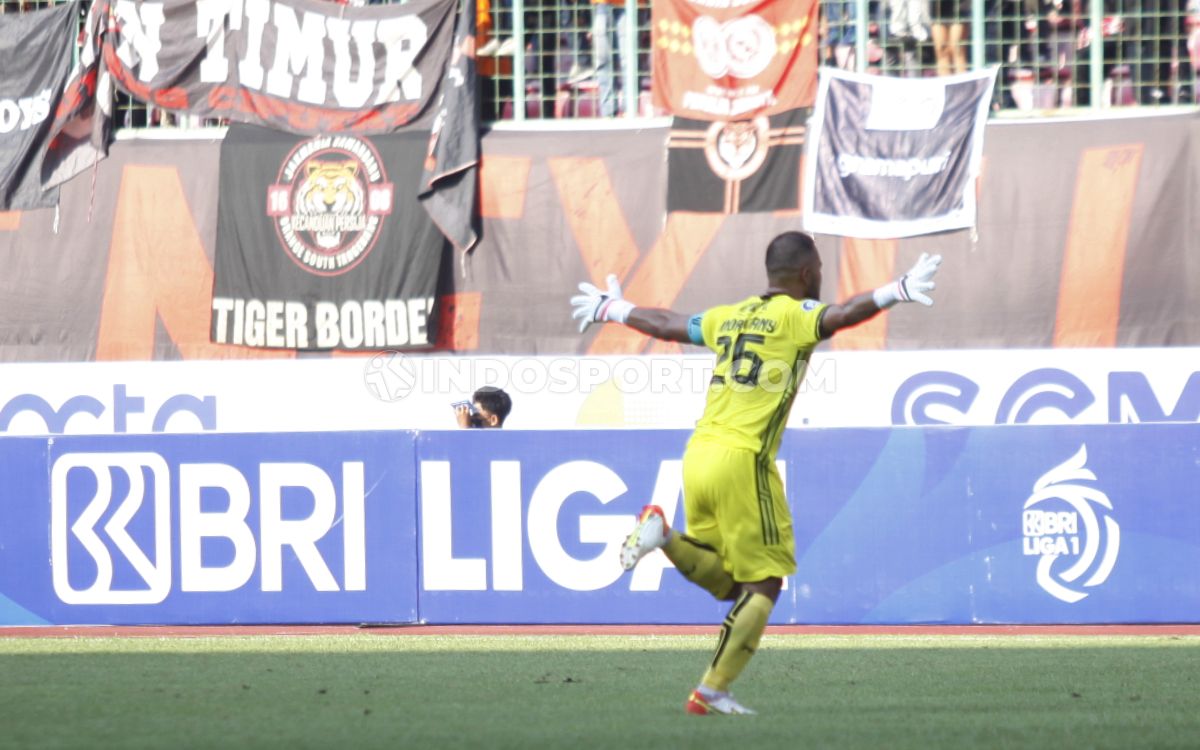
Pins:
x: 397, y: 391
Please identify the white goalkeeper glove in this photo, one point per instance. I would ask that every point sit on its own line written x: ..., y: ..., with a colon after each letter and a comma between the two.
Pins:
x: 598, y: 306
x: 912, y: 286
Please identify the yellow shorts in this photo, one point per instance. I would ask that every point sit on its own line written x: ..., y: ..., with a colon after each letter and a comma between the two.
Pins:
x: 736, y: 504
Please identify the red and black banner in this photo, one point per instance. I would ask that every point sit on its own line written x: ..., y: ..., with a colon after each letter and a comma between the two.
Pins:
x: 35, y: 58
x: 736, y: 166
x: 303, y: 66
x: 731, y: 60
x: 82, y: 129
x: 297, y: 66
x: 322, y: 243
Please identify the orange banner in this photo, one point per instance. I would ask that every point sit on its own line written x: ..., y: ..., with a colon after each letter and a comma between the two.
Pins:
x: 729, y: 59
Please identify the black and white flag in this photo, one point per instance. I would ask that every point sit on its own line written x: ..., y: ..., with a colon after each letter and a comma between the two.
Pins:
x: 35, y: 57
x: 894, y: 157
x: 449, y: 176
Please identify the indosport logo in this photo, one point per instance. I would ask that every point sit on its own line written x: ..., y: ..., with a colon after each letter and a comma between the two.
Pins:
x: 1069, y: 527
x: 329, y: 203
x: 113, y: 536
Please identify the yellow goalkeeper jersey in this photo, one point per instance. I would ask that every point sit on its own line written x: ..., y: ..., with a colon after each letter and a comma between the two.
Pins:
x: 762, y: 344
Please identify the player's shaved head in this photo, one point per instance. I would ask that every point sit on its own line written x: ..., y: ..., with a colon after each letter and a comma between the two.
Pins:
x: 788, y: 254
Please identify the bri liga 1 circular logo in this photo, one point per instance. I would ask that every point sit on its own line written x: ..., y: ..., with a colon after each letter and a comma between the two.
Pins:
x: 329, y: 202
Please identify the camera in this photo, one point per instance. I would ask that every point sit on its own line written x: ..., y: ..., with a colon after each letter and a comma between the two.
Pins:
x: 473, y: 415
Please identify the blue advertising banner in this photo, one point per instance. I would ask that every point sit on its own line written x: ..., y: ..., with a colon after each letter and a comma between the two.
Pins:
x: 935, y: 524
x: 525, y: 527
x: 23, y: 495
x: 1012, y: 525
x: 208, y: 529
x: 1019, y: 524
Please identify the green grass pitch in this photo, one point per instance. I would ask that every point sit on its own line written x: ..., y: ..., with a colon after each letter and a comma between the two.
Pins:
x: 350, y: 692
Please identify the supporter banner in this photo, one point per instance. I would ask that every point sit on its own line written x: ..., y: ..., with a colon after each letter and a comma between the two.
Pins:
x: 300, y: 66
x: 304, y: 66
x: 322, y: 244
x: 217, y: 529
x: 736, y: 166
x: 729, y: 60
x: 125, y: 272
x: 35, y: 57
x: 894, y: 157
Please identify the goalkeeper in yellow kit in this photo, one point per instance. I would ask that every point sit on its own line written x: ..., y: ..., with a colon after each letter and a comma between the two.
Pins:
x: 739, y: 544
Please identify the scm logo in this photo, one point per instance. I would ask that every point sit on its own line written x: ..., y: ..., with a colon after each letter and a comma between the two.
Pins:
x: 944, y: 397
x: 84, y: 486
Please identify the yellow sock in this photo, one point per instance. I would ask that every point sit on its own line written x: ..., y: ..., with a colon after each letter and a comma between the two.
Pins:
x: 740, y: 634
x: 699, y: 563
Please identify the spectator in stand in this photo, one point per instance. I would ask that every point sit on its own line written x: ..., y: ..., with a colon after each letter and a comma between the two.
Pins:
x: 608, y: 17
x: 1063, y: 20
x: 948, y: 29
x: 1119, y: 50
x: 838, y: 39
x: 17, y: 6
x: 495, y: 72
x: 488, y: 408
x: 1192, y: 24
x: 1163, y: 43
x: 542, y: 43
x: 1020, y: 26
x: 908, y: 24
x: 499, y: 27
x: 573, y: 18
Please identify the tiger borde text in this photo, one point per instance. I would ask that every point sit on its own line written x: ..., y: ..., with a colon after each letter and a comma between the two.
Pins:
x: 353, y: 324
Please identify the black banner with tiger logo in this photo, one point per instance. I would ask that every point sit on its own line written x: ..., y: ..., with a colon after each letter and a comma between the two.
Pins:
x: 322, y: 244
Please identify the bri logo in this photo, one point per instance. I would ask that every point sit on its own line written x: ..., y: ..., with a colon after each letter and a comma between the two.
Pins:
x: 1056, y: 516
x: 111, y: 527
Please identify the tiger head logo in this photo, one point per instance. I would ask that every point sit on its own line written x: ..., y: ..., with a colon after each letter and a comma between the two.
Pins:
x: 736, y: 149
x: 331, y: 196
x: 329, y: 202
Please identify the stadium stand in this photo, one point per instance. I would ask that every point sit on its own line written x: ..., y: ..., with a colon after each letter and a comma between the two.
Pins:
x: 536, y: 62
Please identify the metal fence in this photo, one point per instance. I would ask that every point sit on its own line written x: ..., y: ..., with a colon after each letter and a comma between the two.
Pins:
x: 565, y: 59
x: 1052, y: 53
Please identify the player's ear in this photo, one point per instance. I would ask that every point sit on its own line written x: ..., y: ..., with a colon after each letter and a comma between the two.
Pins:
x: 805, y: 275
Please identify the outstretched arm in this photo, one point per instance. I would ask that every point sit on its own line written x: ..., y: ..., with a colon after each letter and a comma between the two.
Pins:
x: 660, y: 323
x: 596, y: 305
x: 911, y: 287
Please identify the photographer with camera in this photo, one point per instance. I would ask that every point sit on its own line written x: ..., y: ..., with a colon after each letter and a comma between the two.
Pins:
x: 488, y: 407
